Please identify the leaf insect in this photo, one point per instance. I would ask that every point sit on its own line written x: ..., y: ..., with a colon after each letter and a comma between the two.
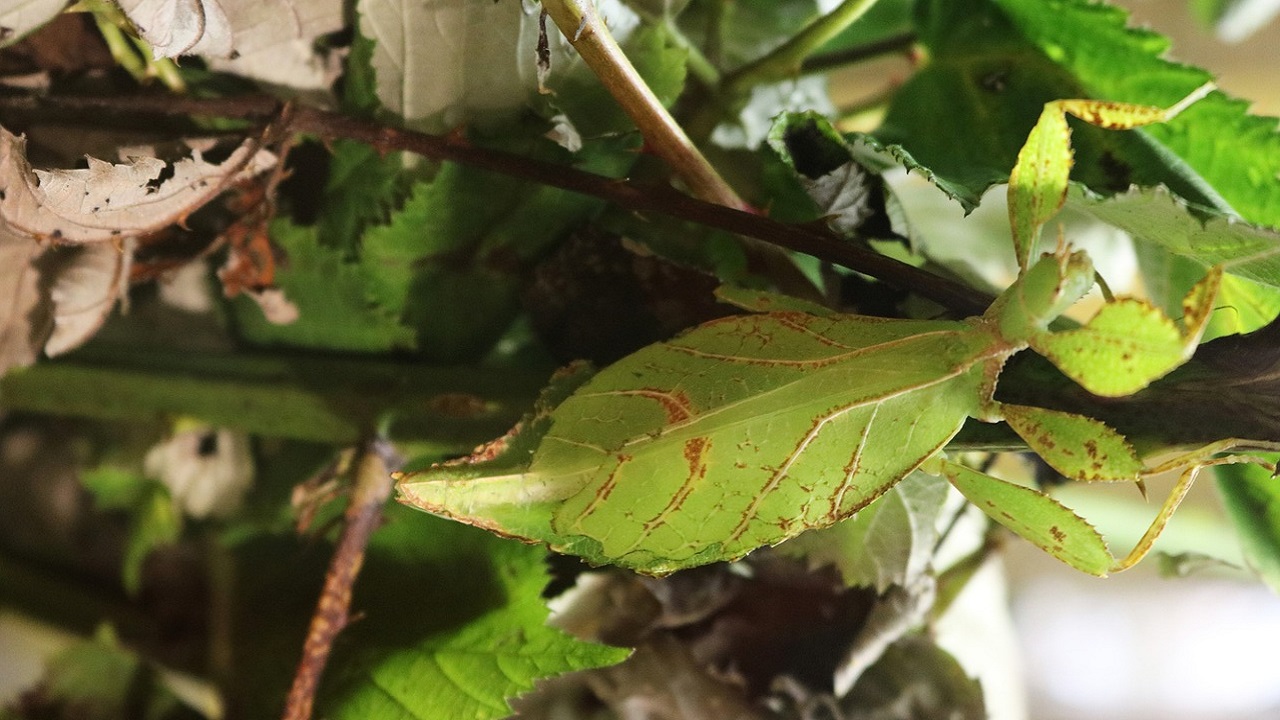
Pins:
x: 751, y: 429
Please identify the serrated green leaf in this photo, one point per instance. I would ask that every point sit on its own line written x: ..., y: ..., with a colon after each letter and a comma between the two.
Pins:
x: 472, y: 657
x: 1156, y: 216
x: 1251, y: 496
x: 994, y: 63
x: 335, y: 311
x: 1038, y: 518
x: 1238, y: 154
x: 466, y: 229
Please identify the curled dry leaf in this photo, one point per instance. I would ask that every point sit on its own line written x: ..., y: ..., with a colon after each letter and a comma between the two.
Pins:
x: 21, y: 336
x: 57, y: 297
x: 85, y: 286
x: 109, y: 201
x: 272, y: 42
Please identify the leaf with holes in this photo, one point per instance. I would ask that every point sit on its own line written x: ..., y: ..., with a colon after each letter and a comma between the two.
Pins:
x: 107, y: 201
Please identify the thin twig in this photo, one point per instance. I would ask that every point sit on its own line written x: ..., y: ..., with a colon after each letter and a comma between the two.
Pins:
x: 372, y: 489
x: 787, y: 59
x: 892, y: 45
x: 810, y: 239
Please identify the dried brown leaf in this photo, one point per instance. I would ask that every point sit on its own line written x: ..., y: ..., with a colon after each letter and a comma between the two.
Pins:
x: 109, y: 201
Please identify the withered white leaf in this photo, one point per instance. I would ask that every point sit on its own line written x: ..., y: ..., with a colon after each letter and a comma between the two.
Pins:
x: 271, y: 42
x: 23, y: 327
x: 109, y: 201
x: 85, y: 288
x: 20, y: 17
x: 55, y: 298
x: 181, y: 27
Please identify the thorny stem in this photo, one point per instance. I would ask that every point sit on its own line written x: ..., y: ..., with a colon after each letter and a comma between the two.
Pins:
x: 818, y: 241
x: 579, y: 21
x: 787, y: 59
x: 372, y: 489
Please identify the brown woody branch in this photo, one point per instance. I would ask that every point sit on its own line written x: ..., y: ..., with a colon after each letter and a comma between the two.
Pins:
x: 813, y: 240
x: 373, y: 486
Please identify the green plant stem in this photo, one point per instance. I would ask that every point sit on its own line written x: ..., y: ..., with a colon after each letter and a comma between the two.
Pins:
x: 586, y: 30
x: 787, y: 59
x: 902, y: 43
x: 450, y: 410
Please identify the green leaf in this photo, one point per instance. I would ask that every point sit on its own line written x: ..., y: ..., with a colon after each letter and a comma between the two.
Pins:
x: 450, y: 655
x: 889, y: 542
x: 1251, y: 496
x: 332, y: 300
x: 1238, y: 154
x: 995, y: 63
x: 1156, y: 216
x: 1038, y: 518
x: 466, y: 229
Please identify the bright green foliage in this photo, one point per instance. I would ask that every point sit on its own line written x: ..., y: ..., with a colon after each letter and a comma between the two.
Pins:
x: 335, y: 311
x: 479, y: 643
x: 995, y: 63
x: 1033, y: 515
x: 1251, y: 495
x: 1238, y: 154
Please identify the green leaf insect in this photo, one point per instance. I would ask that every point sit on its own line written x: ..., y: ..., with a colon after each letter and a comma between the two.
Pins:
x: 748, y: 430
x: 1038, y: 181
